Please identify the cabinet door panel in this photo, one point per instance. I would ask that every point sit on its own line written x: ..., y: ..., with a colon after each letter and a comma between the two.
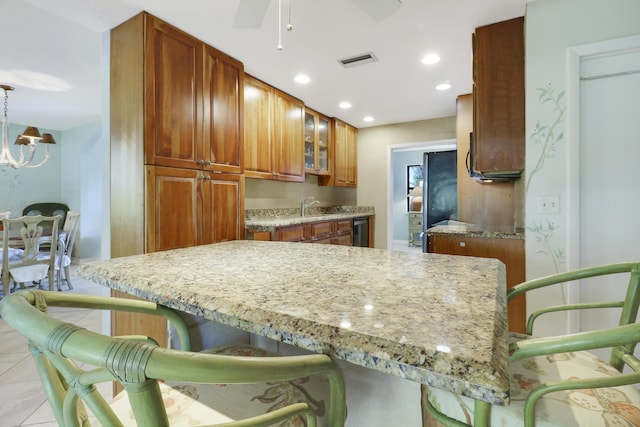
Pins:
x: 173, y: 96
x: 321, y: 229
x: 344, y: 240
x: 223, y: 212
x: 258, y: 130
x: 294, y: 233
x: 289, y: 138
x: 499, y: 102
x: 346, y: 155
x: 172, y: 208
x: 224, y: 88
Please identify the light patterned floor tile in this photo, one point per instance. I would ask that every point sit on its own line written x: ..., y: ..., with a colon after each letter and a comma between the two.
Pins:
x: 23, y: 402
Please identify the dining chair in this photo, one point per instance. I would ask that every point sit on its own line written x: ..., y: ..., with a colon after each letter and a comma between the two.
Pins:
x: 23, y: 258
x: 65, y: 246
x: 162, y: 386
x: 558, y: 381
x: 47, y: 209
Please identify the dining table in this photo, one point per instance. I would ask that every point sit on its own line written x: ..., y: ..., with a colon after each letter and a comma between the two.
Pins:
x: 424, y: 319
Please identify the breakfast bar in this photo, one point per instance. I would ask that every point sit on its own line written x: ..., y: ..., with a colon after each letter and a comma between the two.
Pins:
x: 428, y: 318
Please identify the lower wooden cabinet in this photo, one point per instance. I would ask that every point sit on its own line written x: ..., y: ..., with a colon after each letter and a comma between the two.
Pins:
x: 509, y: 251
x: 338, y: 232
x: 187, y: 207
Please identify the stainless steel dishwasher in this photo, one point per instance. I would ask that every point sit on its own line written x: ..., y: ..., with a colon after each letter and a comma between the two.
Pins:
x: 361, y: 231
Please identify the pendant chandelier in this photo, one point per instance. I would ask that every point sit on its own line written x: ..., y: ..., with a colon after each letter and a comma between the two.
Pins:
x: 28, y: 138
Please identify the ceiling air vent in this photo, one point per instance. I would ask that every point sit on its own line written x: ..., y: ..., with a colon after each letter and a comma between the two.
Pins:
x: 365, y: 58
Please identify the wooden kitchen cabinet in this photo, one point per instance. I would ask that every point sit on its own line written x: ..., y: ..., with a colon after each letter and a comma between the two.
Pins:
x: 316, y: 143
x: 343, y: 234
x: 346, y: 154
x: 509, y: 251
x: 192, y: 102
x: 492, y: 205
x: 258, y: 133
x: 337, y: 232
x: 176, y: 116
x: 188, y: 207
x: 291, y: 233
x: 223, y: 112
x: 273, y: 133
x: 499, y: 99
x: 344, y: 148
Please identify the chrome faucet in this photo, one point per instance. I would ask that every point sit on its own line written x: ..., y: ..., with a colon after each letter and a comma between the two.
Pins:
x: 306, y: 202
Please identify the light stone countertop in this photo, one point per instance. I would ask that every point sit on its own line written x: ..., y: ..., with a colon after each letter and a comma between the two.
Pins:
x: 434, y: 319
x: 269, y: 219
x: 471, y: 230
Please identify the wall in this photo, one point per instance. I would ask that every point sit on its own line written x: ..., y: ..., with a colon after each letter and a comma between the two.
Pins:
x: 374, y: 162
x: 552, y: 27
x: 81, y: 186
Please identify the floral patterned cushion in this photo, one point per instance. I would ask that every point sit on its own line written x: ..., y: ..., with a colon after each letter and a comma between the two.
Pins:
x: 616, y: 406
x: 191, y: 405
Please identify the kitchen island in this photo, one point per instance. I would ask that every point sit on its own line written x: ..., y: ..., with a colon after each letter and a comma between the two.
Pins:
x: 428, y: 318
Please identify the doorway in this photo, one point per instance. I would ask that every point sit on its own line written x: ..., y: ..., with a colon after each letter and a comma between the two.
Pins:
x: 400, y: 156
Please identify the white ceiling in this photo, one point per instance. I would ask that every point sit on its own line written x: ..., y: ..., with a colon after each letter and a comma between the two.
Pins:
x: 61, y: 40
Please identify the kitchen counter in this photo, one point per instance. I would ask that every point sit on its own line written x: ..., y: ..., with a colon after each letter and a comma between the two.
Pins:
x: 269, y: 219
x: 471, y: 230
x: 433, y: 319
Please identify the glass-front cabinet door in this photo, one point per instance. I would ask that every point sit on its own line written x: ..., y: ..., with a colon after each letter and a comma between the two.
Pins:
x: 309, y: 140
x: 316, y: 143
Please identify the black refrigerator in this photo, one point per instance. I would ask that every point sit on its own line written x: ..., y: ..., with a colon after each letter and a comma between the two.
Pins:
x: 440, y: 201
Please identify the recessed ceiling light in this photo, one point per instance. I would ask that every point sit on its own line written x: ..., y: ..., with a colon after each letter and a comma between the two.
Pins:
x: 443, y: 86
x: 368, y: 119
x: 431, y: 59
x: 344, y: 105
x: 302, y: 79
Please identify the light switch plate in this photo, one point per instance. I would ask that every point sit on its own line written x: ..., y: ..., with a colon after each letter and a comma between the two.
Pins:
x: 549, y: 204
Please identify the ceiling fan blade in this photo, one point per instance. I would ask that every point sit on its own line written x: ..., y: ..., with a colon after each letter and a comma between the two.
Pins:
x: 250, y: 13
x: 378, y: 9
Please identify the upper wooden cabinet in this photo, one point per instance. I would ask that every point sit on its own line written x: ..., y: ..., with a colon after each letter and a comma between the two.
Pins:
x: 498, y: 94
x: 345, y: 173
x: 491, y: 205
x: 223, y: 112
x: 258, y: 124
x: 192, y: 102
x: 316, y: 143
x: 273, y: 133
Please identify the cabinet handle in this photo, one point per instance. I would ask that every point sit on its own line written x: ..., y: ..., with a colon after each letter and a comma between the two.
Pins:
x: 463, y: 244
x: 201, y: 162
x: 208, y: 163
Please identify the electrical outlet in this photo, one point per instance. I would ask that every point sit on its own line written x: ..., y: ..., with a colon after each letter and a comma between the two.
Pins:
x: 548, y: 204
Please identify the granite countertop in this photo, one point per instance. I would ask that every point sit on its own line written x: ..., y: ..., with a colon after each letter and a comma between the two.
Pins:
x: 268, y: 219
x: 471, y: 230
x: 434, y: 319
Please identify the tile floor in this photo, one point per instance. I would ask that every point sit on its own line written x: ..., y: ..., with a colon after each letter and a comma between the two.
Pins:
x: 22, y: 401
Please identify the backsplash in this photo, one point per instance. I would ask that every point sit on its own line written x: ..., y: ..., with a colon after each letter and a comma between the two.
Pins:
x: 267, y: 194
